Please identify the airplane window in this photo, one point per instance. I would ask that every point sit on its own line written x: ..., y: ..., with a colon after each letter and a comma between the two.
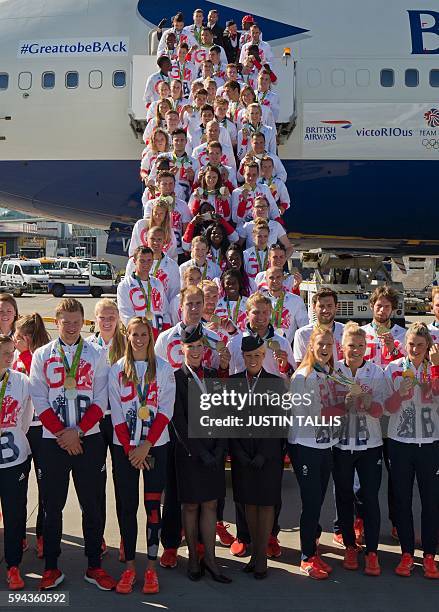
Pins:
x: 387, y: 77
x: 362, y: 77
x: 48, y: 80
x: 25, y: 80
x: 314, y: 77
x: 119, y: 78
x: 434, y: 78
x: 338, y: 77
x: 411, y: 77
x: 72, y: 80
x: 95, y: 79
x: 4, y: 80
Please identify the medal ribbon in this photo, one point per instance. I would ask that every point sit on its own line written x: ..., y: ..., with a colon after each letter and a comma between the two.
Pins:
x: 234, y: 315
x: 71, y: 371
x: 156, y: 269
x: 337, y: 377
x: 142, y: 289
x: 276, y: 317
x: 2, y: 393
x: 262, y: 266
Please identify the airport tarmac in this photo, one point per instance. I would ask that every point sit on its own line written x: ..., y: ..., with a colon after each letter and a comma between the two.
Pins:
x: 285, y: 588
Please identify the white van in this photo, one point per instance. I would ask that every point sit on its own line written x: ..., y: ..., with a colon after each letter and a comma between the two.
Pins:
x: 24, y: 276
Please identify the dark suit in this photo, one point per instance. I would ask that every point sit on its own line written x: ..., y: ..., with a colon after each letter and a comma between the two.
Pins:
x: 232, y: 52
x: 262, y: 486
x: 199, y: 463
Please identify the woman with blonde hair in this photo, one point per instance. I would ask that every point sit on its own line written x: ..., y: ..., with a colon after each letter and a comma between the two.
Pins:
x: 360, y: 447
x: 413, y: 445
x: 110, y: 337
x: 142, y: 396
x: 30, y: 333
x: 310, y: 443
x: 159, y: 143
x: 160, y: 217
x: 158, y: 121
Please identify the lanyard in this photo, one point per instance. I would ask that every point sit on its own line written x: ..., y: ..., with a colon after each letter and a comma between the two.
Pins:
x: 262, y: 266
x: 157, y: 266
x: 264, y: 95
x: 181, y: 71
x: 200, y: 383
x: 253, y: 386
x: 235, y: 314
x: 276, y: 317
x: 2, y: 393
x: 202, y: 269
x: 143, y: 411
x: 71, y: 371
x: 216, y: 255
x: 142, y: 289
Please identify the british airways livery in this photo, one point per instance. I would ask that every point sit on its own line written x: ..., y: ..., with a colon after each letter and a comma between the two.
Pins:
x: 358, y: 125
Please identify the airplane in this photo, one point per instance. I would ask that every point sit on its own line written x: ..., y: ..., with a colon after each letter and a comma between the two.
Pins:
x: 359, y: 126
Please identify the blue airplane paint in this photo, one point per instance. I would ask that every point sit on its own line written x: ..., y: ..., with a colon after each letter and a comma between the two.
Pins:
x: 418, y: 29
x: 155, y: 11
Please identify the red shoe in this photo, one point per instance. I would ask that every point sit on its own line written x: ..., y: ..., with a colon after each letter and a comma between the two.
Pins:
x: 323, y: 565
x: 273, y: 548
x: 51, y: 579
x: 121, y: 551
x: 337, y: 539
x: 313, y: 569
x: 40, y: 547
x: 238, y: 548
x: 169, y: 558
x: 359, y: 531
x: 126, y: 582
x: 25, y: 545
x: 372, y: 566
x: 151, y: 584
x: 405, y: 566
x: 350, y: 561
x: 222, y: 535
x: 100, y: 578
x: 14, y: 580
x: 200, y: 551
x: 103, y: 548
x: 394, y: 534
x: 430, y: 567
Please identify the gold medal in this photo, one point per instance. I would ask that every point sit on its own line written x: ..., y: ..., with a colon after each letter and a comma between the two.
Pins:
x: 143, y: 412
x: 69, y: 382
x: 273, y: 345
x: 149, y: 315
x: 408, y: 374
x: 220, y: 346
x: 215, y: 319
x: 355, y: 390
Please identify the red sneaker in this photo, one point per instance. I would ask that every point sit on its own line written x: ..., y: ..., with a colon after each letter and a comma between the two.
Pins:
x: 359, y: 531
x: 323, y: 565
x: 121, y: 551
x: 25, y: 545
x: 372, y: 566
x: 169, y: 558
x: 350, y: 561
x: 238, y: 548
x: 100, y: 578
x: 430, y: 567
x: 273, y: 548
x: 151, y: 584
x: 405, y: 566
x: 222, y: 535
x: 394, y: 534
x: 103, y: 548
x: 40, y: 547
x: 126, y: 582
x: 51, y: 579
x: 312, y: 568
x: 14, y: 580
x: 337, y: 539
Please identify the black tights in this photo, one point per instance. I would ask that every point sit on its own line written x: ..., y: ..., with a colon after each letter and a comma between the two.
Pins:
x: 201, y: 517
x: 260, y: 522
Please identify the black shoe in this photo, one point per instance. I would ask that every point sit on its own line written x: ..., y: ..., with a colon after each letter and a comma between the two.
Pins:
x: 260, y: 575
x: 194, y: 576
x: 216, y: 577
x: 249, y: 568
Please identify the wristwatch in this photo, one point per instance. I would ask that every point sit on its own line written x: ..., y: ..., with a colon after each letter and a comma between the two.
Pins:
x: 81, y: 434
